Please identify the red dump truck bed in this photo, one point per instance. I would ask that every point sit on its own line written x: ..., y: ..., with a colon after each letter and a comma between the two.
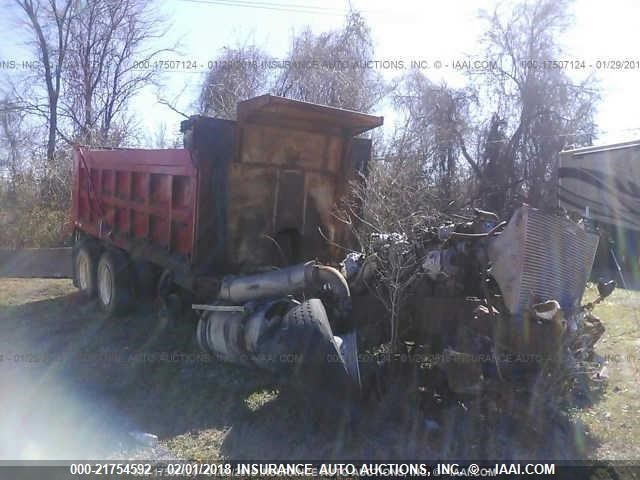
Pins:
x: 240, y: 196
x: 137, y: 194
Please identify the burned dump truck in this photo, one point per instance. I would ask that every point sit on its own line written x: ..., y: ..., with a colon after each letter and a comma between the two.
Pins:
x: 236, y: 224
x: 492, y: 297
x: 238, y: 227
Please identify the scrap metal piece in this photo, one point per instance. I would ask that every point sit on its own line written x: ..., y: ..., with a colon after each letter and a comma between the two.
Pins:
x: 241, y: 289
x: 348, y: 348
x: 218, y: 308
x: 291, y: 339
x: 540, y: 256
x: 589, y: 330
x: 606, y: 288
x: 287, y: 281
x: 546, y: 310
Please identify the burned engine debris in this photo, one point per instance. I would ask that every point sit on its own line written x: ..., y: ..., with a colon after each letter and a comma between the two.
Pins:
x: 492, y: 297
x: 273, y: 330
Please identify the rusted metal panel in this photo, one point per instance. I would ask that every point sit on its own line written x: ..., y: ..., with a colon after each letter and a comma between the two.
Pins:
x: 291, y: 191
x: 529, y: 273
x: 287, y: 113
x: 291, y: 163
x: 284, y: 180
x: 252, y: 194
x: 287, y: 147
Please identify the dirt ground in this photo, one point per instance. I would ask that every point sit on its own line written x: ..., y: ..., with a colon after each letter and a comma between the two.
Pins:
x: 78, y: 385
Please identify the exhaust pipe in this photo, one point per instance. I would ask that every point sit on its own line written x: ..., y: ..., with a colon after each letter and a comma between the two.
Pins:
x: 281, y: 335
x: 309, y: 276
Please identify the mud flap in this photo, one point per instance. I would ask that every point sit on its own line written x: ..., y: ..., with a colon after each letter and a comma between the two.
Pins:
x: 302, y: 347
x: 348, y: 348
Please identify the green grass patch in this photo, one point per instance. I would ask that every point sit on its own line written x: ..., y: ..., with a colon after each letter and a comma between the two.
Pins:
x: 614, y: 421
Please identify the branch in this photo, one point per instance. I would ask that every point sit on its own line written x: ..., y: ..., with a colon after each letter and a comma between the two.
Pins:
x: 162, y: 101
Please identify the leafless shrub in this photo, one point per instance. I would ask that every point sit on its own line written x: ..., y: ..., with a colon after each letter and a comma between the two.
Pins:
x: 30, y: 223
x: 389, y: 212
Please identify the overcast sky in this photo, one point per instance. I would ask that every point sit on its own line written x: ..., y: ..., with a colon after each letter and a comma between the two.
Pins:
x: 402, y: 29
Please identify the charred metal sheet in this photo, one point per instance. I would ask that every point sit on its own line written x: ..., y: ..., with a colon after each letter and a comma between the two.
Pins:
x: 212, y: 146
x: 305, y: 115
x: 36, y: 262
x: 541, y: 257
x: 252, y: 195
x: 291, y: 190
x: 359, y: 155
x: 283, y: 186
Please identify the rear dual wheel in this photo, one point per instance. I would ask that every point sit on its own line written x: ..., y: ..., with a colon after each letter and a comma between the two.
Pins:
x: 113, y: 278
x: 85, y: 260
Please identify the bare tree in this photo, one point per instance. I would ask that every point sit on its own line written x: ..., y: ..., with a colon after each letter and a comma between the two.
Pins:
x: 93, y: 56
x: 49, y: 23
x: 534, y: 111
x: 108, y: 62
x: 11, y: 144
x: 397, y: 269
x: 162, y: 138
x: 237, y: 74
x: 330, y: 68
x: 435, y: 117
x: 538, y: 108
x: 333, y: 68
x: 389, y: 212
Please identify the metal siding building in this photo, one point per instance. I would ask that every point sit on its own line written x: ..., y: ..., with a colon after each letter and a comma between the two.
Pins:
x: 602, y: 183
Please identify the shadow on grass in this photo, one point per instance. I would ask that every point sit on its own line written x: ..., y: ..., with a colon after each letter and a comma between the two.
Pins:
x: 157, y: 381
x: 416, y: 418
x: 152, y: 376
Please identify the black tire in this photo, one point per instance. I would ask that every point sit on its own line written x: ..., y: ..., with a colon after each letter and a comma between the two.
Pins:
x: 113, y: 281
x: 146, y: 277
x: 85, y: 267
x: 170, y: 310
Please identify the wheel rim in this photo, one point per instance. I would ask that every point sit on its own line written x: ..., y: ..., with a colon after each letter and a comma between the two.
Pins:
x: 105, y: 284
x: 83, y: 271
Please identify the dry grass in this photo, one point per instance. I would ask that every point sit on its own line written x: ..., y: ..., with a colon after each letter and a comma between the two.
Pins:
x: 205, y: 410
x: 614, y: 421
x: 20, y: 291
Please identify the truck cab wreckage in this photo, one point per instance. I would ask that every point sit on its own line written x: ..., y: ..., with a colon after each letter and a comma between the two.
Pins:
x: 238, y: 227
x: 494, y: 298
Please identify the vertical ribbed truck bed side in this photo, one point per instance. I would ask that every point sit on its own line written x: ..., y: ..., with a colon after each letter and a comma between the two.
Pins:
x: 140, y: 200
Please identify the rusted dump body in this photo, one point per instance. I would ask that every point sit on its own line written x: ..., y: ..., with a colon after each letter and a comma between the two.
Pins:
x: 242, y: 195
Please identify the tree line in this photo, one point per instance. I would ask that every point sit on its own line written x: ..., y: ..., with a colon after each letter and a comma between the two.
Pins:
x: 493, y: 143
